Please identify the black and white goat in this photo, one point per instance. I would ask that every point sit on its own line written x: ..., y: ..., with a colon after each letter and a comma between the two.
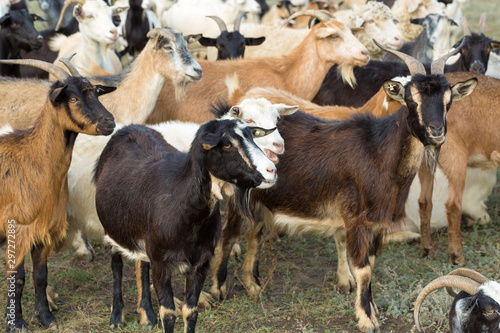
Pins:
x: 168, y: 215
x: 476, y: 309
x: 18, y: 33
x: 230, y: 45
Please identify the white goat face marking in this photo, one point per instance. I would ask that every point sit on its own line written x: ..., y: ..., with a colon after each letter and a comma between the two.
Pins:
x: 262, y: 113
x: 258, y: 159
x: 402, y: 79
x: 491, y: 289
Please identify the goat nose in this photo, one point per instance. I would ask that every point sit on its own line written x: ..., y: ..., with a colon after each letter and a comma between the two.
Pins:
x: 114, y: 32
x: 39, y: 37
x: 279, y: 147
x: 365, y: 53
x: 436, y: 129
x: 198, y: 71
x: 271, y: 170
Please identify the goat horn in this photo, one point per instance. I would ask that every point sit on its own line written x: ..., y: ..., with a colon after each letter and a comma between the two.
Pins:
x: 72, y: 69
x: 63, y: 10
x: 413, y: 64
x: 471, y: 274
x: 321, y: 15
x: 237, y: 21
x: 220, y: 23
x: 59, y: 73
x: 482, y: 23
x: 437, y: 66
x: 465, y: 26
x: 460, y: 282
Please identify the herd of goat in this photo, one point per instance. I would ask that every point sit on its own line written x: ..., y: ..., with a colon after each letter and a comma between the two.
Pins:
x: 117, y: 123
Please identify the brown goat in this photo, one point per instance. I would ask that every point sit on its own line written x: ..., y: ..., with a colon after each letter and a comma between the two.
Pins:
x: 350, y: 179
x: 463, y: 148
x: 300, y: 72
x: 33, y: 181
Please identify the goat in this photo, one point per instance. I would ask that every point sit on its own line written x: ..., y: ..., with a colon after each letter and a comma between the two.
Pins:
x: 18, y: 33
x: 190, y: 16
x: 317, y: 51
x: 230, y: 45
x: 476, y: 309
x: 303, y: 22
x: 97, y: 32
x: 405, y: 10
x: 223, y: 149
x: 422, y: 48
x: 473, y: 57
x: 356, y: 201
x: 278, y: 13
x: 34, y: 188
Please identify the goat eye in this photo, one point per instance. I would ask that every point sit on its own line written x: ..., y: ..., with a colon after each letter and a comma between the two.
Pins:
x: 370, y: 21
x: 249, y: 121
x: 227, y: 146
x: 72, y: 100
x: 90, y: 16
x: 167, y: 47
x: 334, y: 36
x: 489, y: 313
x: 14, y: 25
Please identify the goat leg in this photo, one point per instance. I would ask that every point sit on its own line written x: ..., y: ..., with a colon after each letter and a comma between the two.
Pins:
x: 144, y: 306
x: 425, y: 210
x: 250, y: 274
x: 117, y: 315
x: 194, y: 283
x: 14, y: 313
x: 47, y: 319
x: 162, y: 282
x: 346, y: 283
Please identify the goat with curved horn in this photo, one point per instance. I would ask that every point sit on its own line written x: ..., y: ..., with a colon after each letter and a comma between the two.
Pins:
x: 437, y: 66
x: 63, y: 10
x: 469, y: 273
x: 322, y: 15
x: 413, y: 64
x: 460, y: 282
x: 220, y: 23
x: 71, y: 68
x: 482, y: 23
x: 465, y: 26
x: 59, y: 73
x: 238, y: 19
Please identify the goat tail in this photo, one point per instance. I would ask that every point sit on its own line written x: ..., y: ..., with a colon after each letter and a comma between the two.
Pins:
x: 234, y: 91
x: 57, y: 41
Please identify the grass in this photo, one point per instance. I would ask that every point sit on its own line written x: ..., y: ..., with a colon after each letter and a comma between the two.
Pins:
x: 300, y: 292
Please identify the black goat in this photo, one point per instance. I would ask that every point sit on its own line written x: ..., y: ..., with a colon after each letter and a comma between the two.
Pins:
x: 350, y: 179
x: 476, y: 309
x: 474, y: 55
x: 18, y: 33
x: 422, y: 47
x: 137, y: 26
x: 168, y: 214
x: 230, y: 45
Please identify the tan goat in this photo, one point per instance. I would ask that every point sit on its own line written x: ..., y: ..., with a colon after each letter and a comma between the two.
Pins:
x: 33, y: 181
x: 300, y: 72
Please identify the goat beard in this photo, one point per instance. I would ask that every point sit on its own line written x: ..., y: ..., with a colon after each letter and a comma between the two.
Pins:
x: 180, y: 89
x: 431, y: 158
x: 347, y: 74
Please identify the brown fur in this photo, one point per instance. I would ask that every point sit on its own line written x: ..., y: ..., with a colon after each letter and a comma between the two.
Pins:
x: 472, y: 129
x: 300, y: 72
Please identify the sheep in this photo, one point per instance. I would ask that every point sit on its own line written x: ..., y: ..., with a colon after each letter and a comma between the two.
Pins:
x: 405, y: 10
x: 230, y: 45
x: 422, y: 48
x: 165, y: 57
x: 33, y: 186
x: 475, y: 309
x: 97, y: 32
x: 175, y: 189
x: 17, y: 32
x: 367, y: 164
x: 315, y: 55
x: 189, y: 16
x: 463, y: 149
x: 371, y: 76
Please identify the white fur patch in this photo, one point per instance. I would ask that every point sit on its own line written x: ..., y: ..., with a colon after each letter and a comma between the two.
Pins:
x: 6, y: 129
x: 299, y: 225
x: 404, y: 80
x: 491, y: 289
x: 132, y: 255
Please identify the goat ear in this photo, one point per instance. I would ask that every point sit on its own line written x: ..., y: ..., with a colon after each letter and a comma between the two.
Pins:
x: 286, y: 110
x: 255, y: 41
x: 417, y: 21
x: 5, y: 19
x: 412, y: 6
x: 205, y: 41
x: 395, y: 90
x: 160, y: 42
x: 210, y: 140
x: 495, y: 45
x: 235, y: 111
x: 193, y: 38
x: 462, y: 89
x: 56, y: 94
x: 118, y: 9
x: 102, y: 90
x: 78, y: 12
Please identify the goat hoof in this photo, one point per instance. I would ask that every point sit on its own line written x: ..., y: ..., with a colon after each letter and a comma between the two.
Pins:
x: 427, y: 253
x: 116, y: 326
x: 457, y: 259
x: 47, y: 319
x: 20, y: 326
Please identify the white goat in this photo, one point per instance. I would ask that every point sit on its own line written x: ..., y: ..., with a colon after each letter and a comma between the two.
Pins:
x: 189, y: 16
x: 91, y: 45
x: 405, y: 10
